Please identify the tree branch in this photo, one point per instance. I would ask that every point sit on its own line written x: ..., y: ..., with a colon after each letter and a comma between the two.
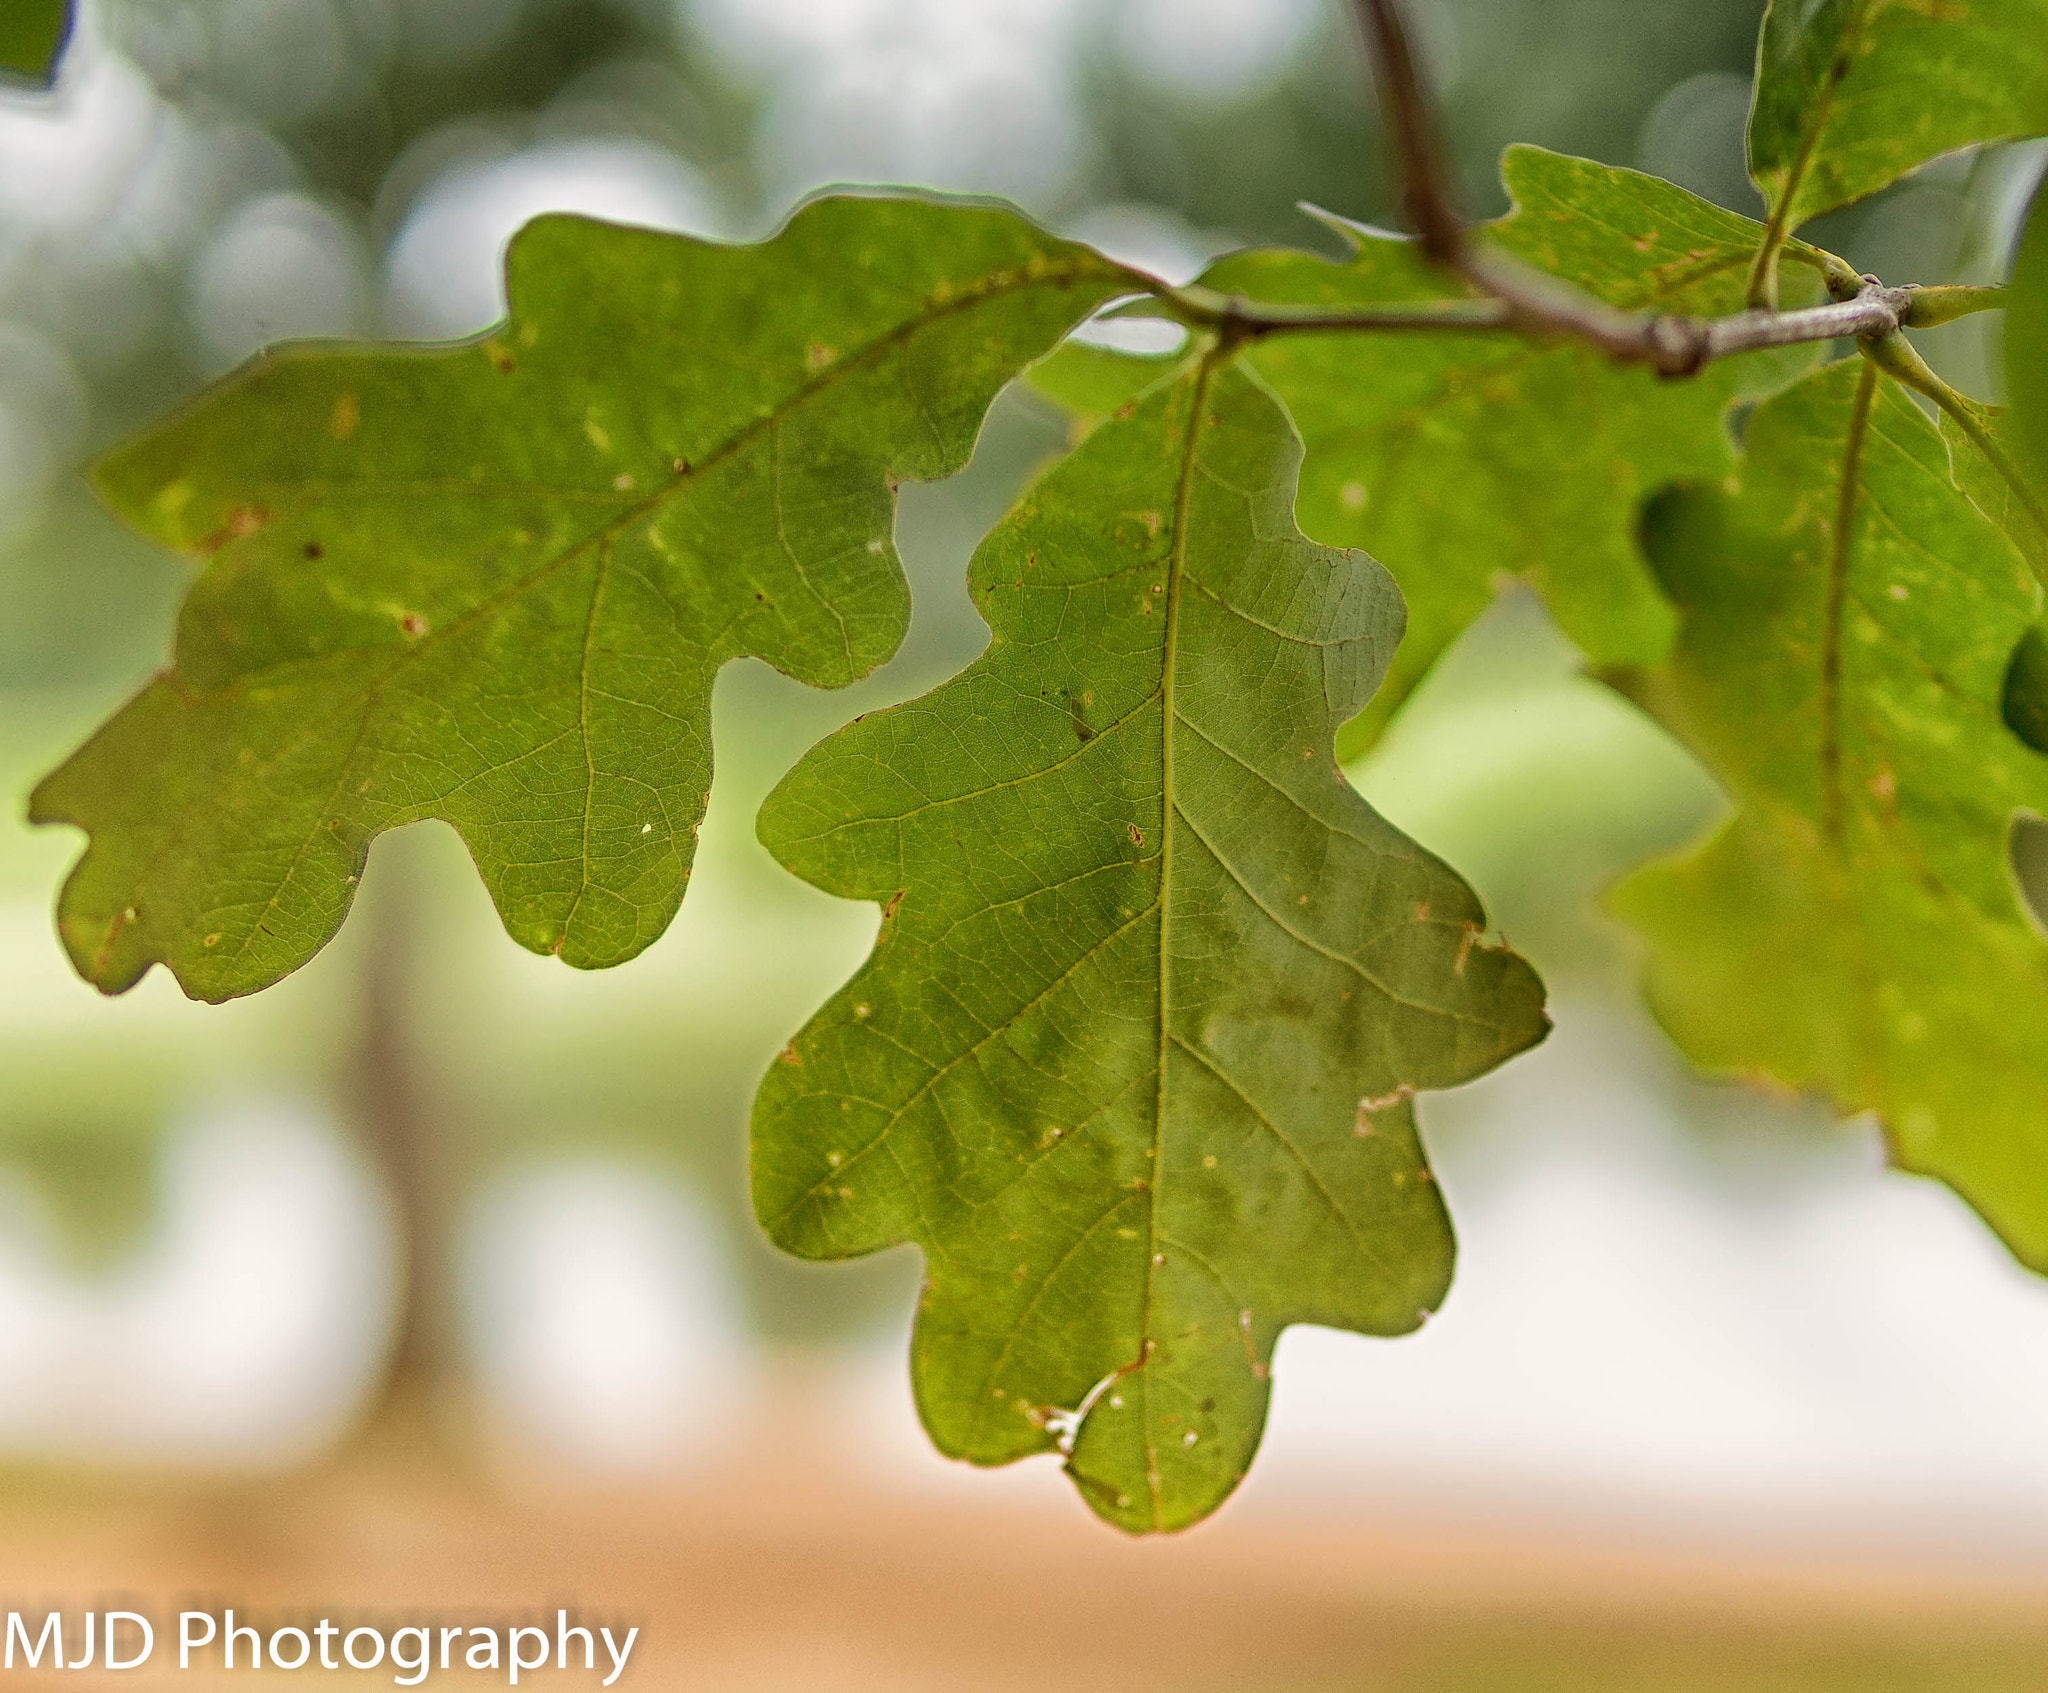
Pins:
x: 1520, y: 300
x: 1539, y: 305
x: 1246, y: 320
x: 1670, y: 345
x: 1425, y: 193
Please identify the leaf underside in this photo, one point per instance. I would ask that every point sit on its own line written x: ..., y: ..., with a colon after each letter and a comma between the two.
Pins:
x: 1853, y: 94
x: 1133, y: 1056
x: 493, y: 583
x: 1855, y: 928
x: 1461, y: 461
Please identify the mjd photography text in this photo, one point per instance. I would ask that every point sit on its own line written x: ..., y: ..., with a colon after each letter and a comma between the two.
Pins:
x: 125, y: 1640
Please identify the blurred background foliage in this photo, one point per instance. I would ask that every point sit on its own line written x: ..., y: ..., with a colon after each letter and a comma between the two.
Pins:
x: 212, y: 175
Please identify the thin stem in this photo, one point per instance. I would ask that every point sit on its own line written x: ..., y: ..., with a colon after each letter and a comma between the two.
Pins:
x: 1761, y: 291
x: 1947, y: 302
x: 1244, y: 320
x: 1521, y: 300
x: 1763, y: 272
x: 1841, y: 277
x: 1425, y: 194
x: 1671, y: 345
x: 1895, y: 356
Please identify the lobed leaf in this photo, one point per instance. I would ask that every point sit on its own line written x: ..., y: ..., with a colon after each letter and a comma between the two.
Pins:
x: 1462, y: 460
x: 1855, y: 928
x: 493, y: 583
x: 1989, y: 483
x: 1132, y: 1058
x: 1853, y: 94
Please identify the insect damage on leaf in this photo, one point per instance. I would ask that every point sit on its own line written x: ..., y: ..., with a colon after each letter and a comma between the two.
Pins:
x: 1463, y: 461
x: 1107, y: 1062
x: 1849, y: 622
x: 493, y: 583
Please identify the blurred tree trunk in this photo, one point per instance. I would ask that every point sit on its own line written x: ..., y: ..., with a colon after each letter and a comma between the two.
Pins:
x: 389, y: 1091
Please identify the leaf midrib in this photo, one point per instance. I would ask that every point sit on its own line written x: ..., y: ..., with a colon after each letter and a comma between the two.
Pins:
x: 1839, y: 66
x: 1169, y: 809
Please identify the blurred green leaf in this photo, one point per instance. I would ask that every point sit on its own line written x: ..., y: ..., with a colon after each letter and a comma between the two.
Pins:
x: 1855, y: 929
x: 2026, y: 345
x: 492, y: 583
x: 32, y: 38
x: 1132, y: 1059
x: 1459, y: 461
x: 1853, y: 94
x: 1989, y: 485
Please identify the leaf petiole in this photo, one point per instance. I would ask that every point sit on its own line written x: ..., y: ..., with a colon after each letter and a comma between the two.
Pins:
x: 1896, y: 357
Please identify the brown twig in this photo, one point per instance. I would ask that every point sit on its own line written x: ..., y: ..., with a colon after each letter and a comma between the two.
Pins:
x: 1536, y: 304
x: 1547, y: 309
x: 1516, y: 298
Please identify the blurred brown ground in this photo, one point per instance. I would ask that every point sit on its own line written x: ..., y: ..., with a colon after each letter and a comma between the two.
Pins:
x: 788, y: 1569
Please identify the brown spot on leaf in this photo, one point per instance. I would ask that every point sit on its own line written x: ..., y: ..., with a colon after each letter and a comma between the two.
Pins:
x: 242, y: 522
x: 347, y: 413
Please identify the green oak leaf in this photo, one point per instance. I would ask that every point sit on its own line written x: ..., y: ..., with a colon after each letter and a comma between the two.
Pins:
x: 32, y: 38
x: 1853, y: 94
x: 492, y: 583
x: 1855, y: 928
x: 1132, y: 1058
x: 1460, y: 461
x: 1989, y: 484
